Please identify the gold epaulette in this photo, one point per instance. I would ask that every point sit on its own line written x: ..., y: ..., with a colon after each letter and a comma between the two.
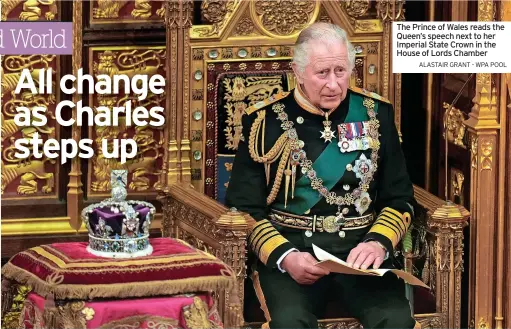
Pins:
x: 367, y: 93
x: 267, y: 101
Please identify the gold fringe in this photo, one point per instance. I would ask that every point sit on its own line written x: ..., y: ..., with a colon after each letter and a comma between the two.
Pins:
x: 50, y: 313
x: 119, y: 290
x: 7, y: 296
x: 260, y: 295
x: 131, y: 321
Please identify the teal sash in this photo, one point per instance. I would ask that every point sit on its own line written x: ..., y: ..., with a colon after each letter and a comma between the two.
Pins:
x: 329, y: 166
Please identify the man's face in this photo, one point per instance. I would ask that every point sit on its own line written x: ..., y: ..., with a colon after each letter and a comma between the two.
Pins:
x: 326, y: 78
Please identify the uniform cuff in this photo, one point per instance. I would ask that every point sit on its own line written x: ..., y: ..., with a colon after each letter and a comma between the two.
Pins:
x: 267, y: 243
x: 282, y: 258
x: 392, y: 225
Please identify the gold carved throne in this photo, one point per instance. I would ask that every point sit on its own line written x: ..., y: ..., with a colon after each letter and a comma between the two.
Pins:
x: 239, y: 55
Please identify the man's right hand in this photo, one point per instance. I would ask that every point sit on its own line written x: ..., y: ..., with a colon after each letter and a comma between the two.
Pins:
x: 300, y: 265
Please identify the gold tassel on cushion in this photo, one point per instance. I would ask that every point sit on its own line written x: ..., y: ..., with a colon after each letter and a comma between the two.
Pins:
x: 50, y: 312
x: 6, y: 296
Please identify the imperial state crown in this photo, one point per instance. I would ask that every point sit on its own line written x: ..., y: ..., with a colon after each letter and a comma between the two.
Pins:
x: 119, y: 228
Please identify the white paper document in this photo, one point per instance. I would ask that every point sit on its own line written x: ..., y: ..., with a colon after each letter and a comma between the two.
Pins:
x: 334, y: 264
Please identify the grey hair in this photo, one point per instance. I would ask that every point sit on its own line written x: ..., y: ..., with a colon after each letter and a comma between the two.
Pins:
x: 325, y: 33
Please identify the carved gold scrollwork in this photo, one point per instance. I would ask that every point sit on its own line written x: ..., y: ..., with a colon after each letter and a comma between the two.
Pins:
x: 285, y: 17
x: 244, y: 27
x: 486, y: 10
x: 172, y: 15
x: 149, y: 139
x: 483, y: 79
x: 196, y: 242
x: 31, y: 9
x: 486, y: 157
x: 108, y: 9
x: 371, y: 25
x: 214, y: 12
x: 473, y: 151
x: 30, y: 169
x: 457, y: 179
x: 356, y: 8
x: 217, y: 12
x: 482, y: 324
x: 390, y: 10
x: 455, y: 126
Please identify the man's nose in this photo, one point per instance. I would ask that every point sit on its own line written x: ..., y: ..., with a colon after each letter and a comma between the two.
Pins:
x: 332, y: 81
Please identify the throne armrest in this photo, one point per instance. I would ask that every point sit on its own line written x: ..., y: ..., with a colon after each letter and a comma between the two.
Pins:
x: 208, y: 225
x: 444, y: 253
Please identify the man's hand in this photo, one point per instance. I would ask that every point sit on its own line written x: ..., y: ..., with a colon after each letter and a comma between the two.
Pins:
x: 365, y: 255
x: 300, y: 265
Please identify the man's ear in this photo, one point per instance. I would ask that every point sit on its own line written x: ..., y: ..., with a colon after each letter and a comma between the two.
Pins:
x: 298, y: 74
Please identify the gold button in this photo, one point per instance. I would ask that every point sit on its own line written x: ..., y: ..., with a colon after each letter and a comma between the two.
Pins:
x: 307, y: 212
x: 342, y: 234
x: 308, y: 233
x: 349, y: 167
x: 299, y: 120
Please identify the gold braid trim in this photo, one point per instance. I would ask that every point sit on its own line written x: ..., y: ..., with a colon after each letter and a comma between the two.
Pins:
x: 281, y: 149
x: 280, y: 172
x: 135, y: 321
x: 392, y: 224
x: 260, y: 295
x: 118, y: 290
x: 253, y: 142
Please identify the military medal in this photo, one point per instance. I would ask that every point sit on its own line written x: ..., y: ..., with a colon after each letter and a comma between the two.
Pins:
x: 352, y: 136
x: 327, y: 134
x: 362, y: 166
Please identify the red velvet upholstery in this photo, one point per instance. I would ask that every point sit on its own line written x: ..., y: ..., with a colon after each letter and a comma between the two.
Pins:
x: 69, y: 271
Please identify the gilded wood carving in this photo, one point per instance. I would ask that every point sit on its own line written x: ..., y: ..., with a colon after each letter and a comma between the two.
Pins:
x: 284, y: 18
x: 110, y: 11
x: 29, y: 176
x: 29, y: 10
x: 145, y: 168
x: 455, y: 126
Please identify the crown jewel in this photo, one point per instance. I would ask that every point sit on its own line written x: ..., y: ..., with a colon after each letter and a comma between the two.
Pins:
x: 118, y: 227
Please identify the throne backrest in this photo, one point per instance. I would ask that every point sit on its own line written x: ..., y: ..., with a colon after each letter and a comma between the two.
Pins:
x: 243, y: 57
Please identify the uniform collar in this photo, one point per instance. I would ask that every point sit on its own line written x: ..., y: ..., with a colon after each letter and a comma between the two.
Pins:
x: 306, y: 104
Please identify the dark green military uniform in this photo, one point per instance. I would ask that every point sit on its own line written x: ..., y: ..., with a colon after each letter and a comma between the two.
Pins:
x: 262, y: 184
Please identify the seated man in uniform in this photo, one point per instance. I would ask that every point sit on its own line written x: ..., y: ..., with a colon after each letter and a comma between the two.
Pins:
x: 323, y: 165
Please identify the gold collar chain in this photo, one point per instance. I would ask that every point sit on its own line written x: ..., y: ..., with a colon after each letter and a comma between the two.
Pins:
x: 299, y: 157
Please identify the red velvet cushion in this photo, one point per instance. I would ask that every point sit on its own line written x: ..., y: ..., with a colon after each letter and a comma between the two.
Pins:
x: 68, y: 271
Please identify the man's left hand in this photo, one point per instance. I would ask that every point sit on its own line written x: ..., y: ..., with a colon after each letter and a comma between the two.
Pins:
x: 365, y: 255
